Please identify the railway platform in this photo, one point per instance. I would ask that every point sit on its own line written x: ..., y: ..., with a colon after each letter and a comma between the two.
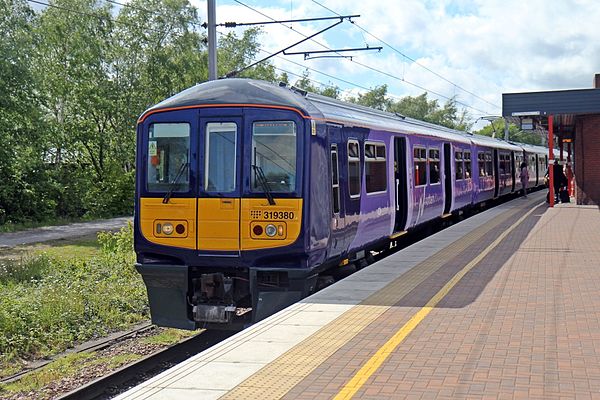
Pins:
x: 505, y: 304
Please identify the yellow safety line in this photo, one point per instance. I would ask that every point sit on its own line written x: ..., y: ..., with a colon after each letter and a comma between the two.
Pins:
x: 359, y: 379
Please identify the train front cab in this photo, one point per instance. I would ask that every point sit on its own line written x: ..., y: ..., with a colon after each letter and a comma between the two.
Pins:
x: 219, y: 214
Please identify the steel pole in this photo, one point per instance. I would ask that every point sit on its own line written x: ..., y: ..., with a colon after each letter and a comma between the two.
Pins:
x: 212, y: 40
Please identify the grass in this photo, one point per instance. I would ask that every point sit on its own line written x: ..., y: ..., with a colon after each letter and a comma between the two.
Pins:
x: 65, y: 366
x: 81, y: 247
x: 55, y: 299
x: 169, y: 336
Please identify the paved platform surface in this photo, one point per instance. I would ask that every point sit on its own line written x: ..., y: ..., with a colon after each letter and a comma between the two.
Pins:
x: 47, y: 233
x: 503, y: 305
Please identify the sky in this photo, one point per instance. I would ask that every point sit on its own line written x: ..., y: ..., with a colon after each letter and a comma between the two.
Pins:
x: 471, y: 50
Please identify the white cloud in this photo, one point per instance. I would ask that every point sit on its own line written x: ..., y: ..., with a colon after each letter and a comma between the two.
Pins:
x: 487, y: 47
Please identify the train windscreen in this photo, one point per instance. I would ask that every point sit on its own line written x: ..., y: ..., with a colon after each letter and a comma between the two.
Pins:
x: 274, y: 152
x: 168, y: 155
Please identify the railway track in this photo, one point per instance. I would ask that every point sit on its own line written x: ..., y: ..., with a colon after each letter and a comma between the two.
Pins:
x: 120, y: 380
x: 87, y: 347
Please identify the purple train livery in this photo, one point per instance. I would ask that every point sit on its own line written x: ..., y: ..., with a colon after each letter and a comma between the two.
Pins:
x: 248, y: 194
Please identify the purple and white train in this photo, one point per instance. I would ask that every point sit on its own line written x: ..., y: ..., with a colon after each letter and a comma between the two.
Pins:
x: 247, y: 192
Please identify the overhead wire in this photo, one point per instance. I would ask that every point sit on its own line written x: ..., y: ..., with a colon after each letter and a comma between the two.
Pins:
x: 409, y: 58
x: 282, y: 58
x: 107, y: 18
x: 368, y: 66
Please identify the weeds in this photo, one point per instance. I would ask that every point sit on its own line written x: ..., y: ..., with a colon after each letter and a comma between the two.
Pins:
x: 48, y: 304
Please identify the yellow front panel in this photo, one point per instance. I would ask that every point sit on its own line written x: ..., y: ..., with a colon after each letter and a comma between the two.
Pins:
x: 219, y: 224
x: 177, y: 211
x: 287, y: 214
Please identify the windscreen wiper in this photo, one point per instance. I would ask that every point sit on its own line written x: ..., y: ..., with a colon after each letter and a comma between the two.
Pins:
x: 182, y: 168
x: 260, y: 176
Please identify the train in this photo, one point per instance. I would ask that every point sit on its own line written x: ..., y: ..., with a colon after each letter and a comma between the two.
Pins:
x: 248, y: 193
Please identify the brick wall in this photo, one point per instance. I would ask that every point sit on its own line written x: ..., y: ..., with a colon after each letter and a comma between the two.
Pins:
x: 587, y: 160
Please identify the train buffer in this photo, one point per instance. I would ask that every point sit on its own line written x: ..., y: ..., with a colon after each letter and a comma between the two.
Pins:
x: 505, y: 304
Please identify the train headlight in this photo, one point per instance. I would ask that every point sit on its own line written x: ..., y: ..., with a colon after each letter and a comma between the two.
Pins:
x: 167, y: 228
x: 271, y: 230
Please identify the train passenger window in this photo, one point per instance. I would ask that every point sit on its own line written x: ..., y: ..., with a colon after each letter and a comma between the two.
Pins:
x: 220, y: 158
x: 489, y: 166
x: 335, y: 180
x: 274, y: 151
x: 481, y: 164
x: 434, y: 166
x: 504, y: 164
x: 353, y: 168
x: 168, y: 155
x: 458, y: 171
x: 420, y: 164
x: 375, y: 167
x: 467, y: 157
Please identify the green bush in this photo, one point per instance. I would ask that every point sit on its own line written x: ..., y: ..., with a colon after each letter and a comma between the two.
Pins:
x: 48, y: 304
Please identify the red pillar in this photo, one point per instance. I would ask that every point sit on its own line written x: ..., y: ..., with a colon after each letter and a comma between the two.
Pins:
x: 551, y: 158
x: 569, y: 170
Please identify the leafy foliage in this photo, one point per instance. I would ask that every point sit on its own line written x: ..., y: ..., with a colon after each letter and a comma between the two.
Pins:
x: 496, y: 128
x: 76, y: 77
x: 418, y: 107
x: 47, y: 304
x: 305, y: 83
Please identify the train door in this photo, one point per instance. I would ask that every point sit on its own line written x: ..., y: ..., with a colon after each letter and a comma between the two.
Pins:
x: 338, y: 207
x: 400, y: 179
x: 447, y: 178
x: 496, y: 175
x: 220, y: 180
x: 513, y: 170
x: 537, y: 169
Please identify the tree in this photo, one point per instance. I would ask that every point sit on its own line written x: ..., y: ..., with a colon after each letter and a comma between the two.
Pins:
x: 421, y: 108
x: 374, y: 98
x: 236, y: 53
x: 21, y: 187
x: 73, y: 65
x: 305, y: 83
x: 496, y: 128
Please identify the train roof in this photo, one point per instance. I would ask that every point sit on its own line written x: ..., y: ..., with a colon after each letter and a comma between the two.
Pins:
x: 235, y: 91
x: 531, y: 148
x: 482, y: 140
x: 255, y: 92
x: 239, y: 91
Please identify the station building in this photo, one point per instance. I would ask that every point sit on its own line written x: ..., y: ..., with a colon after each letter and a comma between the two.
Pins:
x: 575, y: 121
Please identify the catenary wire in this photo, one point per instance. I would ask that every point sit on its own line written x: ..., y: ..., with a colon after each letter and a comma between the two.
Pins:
x: 410, y: 58
x: 369, y: 67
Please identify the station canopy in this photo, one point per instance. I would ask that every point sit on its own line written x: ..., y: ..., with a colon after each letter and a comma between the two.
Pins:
x: 564, y: 105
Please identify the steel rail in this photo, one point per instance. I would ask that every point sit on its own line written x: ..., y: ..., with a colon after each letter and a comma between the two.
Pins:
x: 129, y: 375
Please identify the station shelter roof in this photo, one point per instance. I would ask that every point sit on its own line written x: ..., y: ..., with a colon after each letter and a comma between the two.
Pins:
x: 564, y: 105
